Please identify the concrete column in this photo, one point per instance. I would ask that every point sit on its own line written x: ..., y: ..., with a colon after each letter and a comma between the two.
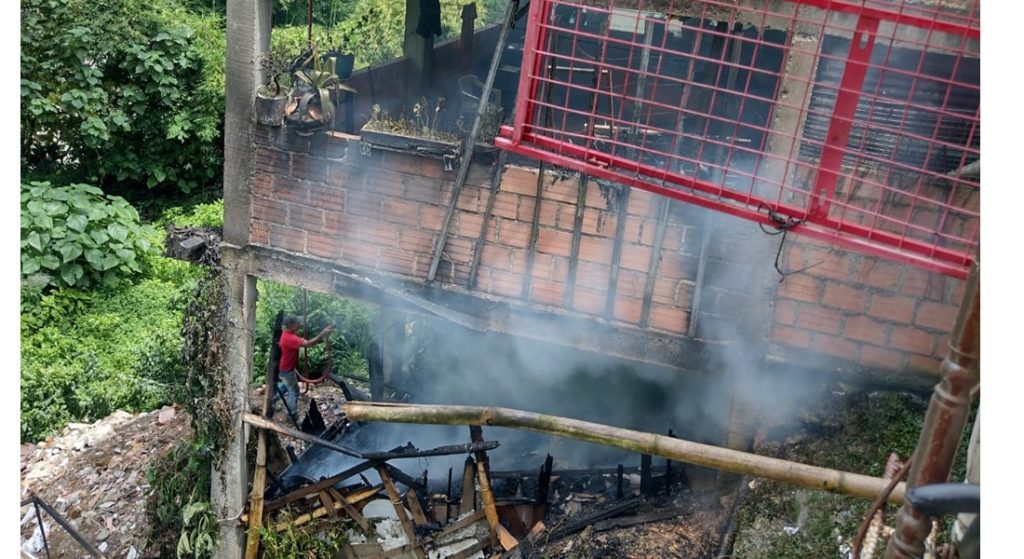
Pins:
x: 248, y: 36
x: 229, y: 486
x: 419, y: 50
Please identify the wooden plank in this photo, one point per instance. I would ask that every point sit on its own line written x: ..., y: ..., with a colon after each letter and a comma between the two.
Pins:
x: 257, y: 421
x: 321, y: 511
x: 531, y: 248
x: 403, y: 519
x: 652, y: 268
x: 329, y: 505
x: 319, y: 486
x: 418, y: 517
x: 507, y: 540
x: 468, y: 487
x: 350, y: 510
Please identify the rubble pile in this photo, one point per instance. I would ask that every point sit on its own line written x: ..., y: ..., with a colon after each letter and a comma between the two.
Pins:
x: 95, y: 476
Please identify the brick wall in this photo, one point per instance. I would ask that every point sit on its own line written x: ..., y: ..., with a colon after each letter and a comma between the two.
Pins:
x: 322, y: 198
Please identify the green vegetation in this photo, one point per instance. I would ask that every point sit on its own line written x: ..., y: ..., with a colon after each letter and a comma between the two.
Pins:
x: 323, y: 538
x: 74, y: 236
x: 121, y: 94
x: 182, y: 524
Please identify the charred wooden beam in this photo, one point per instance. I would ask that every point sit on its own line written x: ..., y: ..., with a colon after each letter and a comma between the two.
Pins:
x: 478, y: 247
x: 596, y: 516
x: 470, y: 142
x: 645, y: 474
x: 698, y: 288
x: 625, y: 522
x: 613, y: 277
x: 618, y: 488
x: 418, y: 517
x: 402, y: 477
x: 447, y: 450
x: 321, y: 511
x: 403, y: 519
x: 350, y: 510
x: 319, y: 486
x: 466, y: 503
x: 577, y: 234
x: 680, y: 450
x: 664, y: 205
x: 531, y: 248
x: 257, y: 421
x: 544, y: 481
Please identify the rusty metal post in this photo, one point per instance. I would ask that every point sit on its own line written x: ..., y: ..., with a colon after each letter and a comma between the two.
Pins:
x: 944, y: 422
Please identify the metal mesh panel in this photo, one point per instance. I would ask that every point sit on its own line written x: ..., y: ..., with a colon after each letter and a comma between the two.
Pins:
x: 854, y: 123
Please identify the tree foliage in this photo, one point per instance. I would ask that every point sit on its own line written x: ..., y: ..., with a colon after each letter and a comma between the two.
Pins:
x: 75, y: 236
x: 128, y: 90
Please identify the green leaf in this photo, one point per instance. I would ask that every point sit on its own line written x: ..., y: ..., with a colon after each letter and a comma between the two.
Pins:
x: 70, y: 252
x: 34, y: 241
x: 100, y: 236
x: 109, y: 262
x: 29, y: 266
x: 118, y: 231
x: 50, y: 261
x: 95, y: 258
x: 78, y: 222
x: 71, y: 273
x: 43, y: 221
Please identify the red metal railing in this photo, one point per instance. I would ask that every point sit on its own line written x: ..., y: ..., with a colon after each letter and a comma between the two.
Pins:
x: 857, y: 123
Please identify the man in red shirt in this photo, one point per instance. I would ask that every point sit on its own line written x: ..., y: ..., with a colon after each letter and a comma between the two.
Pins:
x: 290, y: 343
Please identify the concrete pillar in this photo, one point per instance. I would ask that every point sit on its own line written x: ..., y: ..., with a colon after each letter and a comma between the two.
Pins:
x: 419, y: 50
x: 228, y: 489
x: 248, y: 36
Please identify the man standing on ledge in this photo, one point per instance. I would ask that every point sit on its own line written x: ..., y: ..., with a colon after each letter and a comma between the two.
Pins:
x: 290, y: 343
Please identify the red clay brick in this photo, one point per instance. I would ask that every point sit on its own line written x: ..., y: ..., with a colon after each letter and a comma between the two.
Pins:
x: 398, y: 211
x: 864, y: 329
x: 272, y: 161
x: 416, y: 240
x: 559, y: 269
x: 829, y: 264
x: 956, y: 293
x: 588, y: 301
x: 800, y: 287
x: 599, y: 223
x: 542, y: 266
x: 360, y: 254
x: 636, y: 257
x: 262, y: 186
x: 843, y: 297
x: 309, y: 168
x: 495, y: 256
x: 364, y: 204
x: 385, y: 184
x: 548, y: 213
x: 897, y: 309
x: 515, y: 234
x: 791, y: 336
x: 470, y: 200
x: 413, y: 165
x: 397, y: 261
x: 627, y: 309
x: 913, y: 340
x: 641, y: 203
x: 594, y: 198
x: 553, y: 241
x: 671, y: 292
x: 424, y: 190
x: 640, y: 231
x: 506, y: 284
x: 287, y: 189
x: 458, y: 249
x: 630, y: 284
x: 379, y: 232
x: 670, y: 319
x: 559, y: 190
x: 935, y: 315
x: 594, y: 249
x: 675, y: 239
x: 287, y: 238
x: 325, y: 198
x: 506, y: 205
x: 883, y: 275
x: 838, y: 347
x: 467, y: 224
x: 324, y: 246
x: 431, y: 217
x: 547, y: 292
x: 269, y: 210
x: 519, y: 180
x: 818, y: 319
x: 592, y: 275
x: 785, y: 312
x: 305, y: 217
x: 259, y: 233
x: 337, y: 223
x: 878, y: 357
x: 923, y: 363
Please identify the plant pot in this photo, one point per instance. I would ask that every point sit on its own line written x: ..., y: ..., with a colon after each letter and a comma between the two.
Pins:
x: 270, y: 109
x: 414, y: 144
x: 343, y: 64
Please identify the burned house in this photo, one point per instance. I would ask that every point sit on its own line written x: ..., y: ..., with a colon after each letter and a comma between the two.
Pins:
x: 746, y: 195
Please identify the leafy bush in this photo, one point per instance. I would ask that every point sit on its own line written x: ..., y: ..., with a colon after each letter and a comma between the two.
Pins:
x: 201, y: 215
x: 181, y: 521
x: 130, y: 90
x: 75, y: 236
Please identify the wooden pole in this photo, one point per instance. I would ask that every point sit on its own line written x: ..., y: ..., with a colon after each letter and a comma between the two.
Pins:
x: 679, y: 450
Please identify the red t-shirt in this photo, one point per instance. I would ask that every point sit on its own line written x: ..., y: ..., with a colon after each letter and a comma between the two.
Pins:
x: 290, y: 344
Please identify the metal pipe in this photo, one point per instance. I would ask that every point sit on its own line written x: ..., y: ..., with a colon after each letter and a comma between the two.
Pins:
x: 944, y: 421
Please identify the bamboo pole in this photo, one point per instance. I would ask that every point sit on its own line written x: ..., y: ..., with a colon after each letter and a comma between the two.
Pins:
x: 679, y: 450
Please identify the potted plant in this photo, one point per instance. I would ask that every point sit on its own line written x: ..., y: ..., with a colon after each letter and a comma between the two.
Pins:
x: 273, y: 97
x: 317, y: 92
x: 423, y: 132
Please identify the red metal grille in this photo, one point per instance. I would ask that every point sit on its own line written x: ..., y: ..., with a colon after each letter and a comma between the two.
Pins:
x: 854, y: 123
